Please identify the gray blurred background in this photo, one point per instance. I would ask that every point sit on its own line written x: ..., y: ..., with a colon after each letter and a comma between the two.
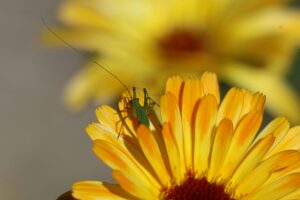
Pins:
x: 43, y: 148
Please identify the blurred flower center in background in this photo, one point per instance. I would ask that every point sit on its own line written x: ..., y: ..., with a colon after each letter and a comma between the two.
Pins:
x: 202, y: 148
x: 249, y: 43
x: 182, y: 43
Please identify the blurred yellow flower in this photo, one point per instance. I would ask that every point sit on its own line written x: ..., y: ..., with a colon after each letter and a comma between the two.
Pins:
x: 202, y: 148
x: 248, y: 43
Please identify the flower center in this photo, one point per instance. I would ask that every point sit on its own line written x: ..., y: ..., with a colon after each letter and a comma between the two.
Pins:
x: 181, y: 41
x: 197, y: 189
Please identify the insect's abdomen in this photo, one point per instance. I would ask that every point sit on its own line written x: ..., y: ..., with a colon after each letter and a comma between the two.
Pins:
x: 141, y: 115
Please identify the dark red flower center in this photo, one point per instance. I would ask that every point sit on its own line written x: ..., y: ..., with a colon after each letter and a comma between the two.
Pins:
x: 181, y: 41
x: 197, y: 189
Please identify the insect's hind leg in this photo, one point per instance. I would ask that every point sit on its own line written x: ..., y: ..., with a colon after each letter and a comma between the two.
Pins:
x: 123, y: 125
x: 148, y: 101
x: 126, y: 103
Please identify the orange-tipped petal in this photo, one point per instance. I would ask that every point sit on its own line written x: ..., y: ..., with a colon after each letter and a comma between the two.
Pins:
x: 204, y: 123
x: 152, y: 152
x: 241, y: 141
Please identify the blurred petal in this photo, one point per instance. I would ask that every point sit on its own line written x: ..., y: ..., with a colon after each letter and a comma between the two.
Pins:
x: 282, y: 99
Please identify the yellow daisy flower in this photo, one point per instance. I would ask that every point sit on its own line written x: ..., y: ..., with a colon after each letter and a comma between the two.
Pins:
x: 202, y: 148
x: 248, y: 43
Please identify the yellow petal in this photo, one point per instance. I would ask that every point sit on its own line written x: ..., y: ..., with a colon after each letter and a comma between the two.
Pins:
x: 77, y: 13
x: 293, y: 168
x: 204, y: 122
x: 192, y: 92
x: 278, y: 189
x: 120, y: 159
x: 221, y: 144
x: 175, y: 85
x: 97, y: 131
x: 256, y: 5
x: 254, y: 157
x: 281, y: 98
x: 293, y: 196
x: 88, y: 84
x: 173, y: 152
x: 263, y: 171
x: 210, y: 85
x: 252, y: 102
x: 134, y: 186
x: 152, y: 152
x: 129, y: 145
x: 241, y: 140
x: 170, y: 113
x: 276, y: 21
x: 108, y: 117
x: 231, y: 106
x: 94, y: 190
x: 290, y: 141
x: 87, y: 39
x: 277, y: 127
x: 118, y: 124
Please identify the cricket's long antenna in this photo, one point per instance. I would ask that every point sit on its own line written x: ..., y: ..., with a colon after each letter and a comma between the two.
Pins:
x: 83, y: 54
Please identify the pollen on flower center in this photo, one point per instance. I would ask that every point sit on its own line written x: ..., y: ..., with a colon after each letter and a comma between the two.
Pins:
x: 197, y: 189
x: 181, y: 41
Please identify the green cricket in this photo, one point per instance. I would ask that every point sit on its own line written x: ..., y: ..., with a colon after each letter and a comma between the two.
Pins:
x: 138, y: 111
x: 133, y: 107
